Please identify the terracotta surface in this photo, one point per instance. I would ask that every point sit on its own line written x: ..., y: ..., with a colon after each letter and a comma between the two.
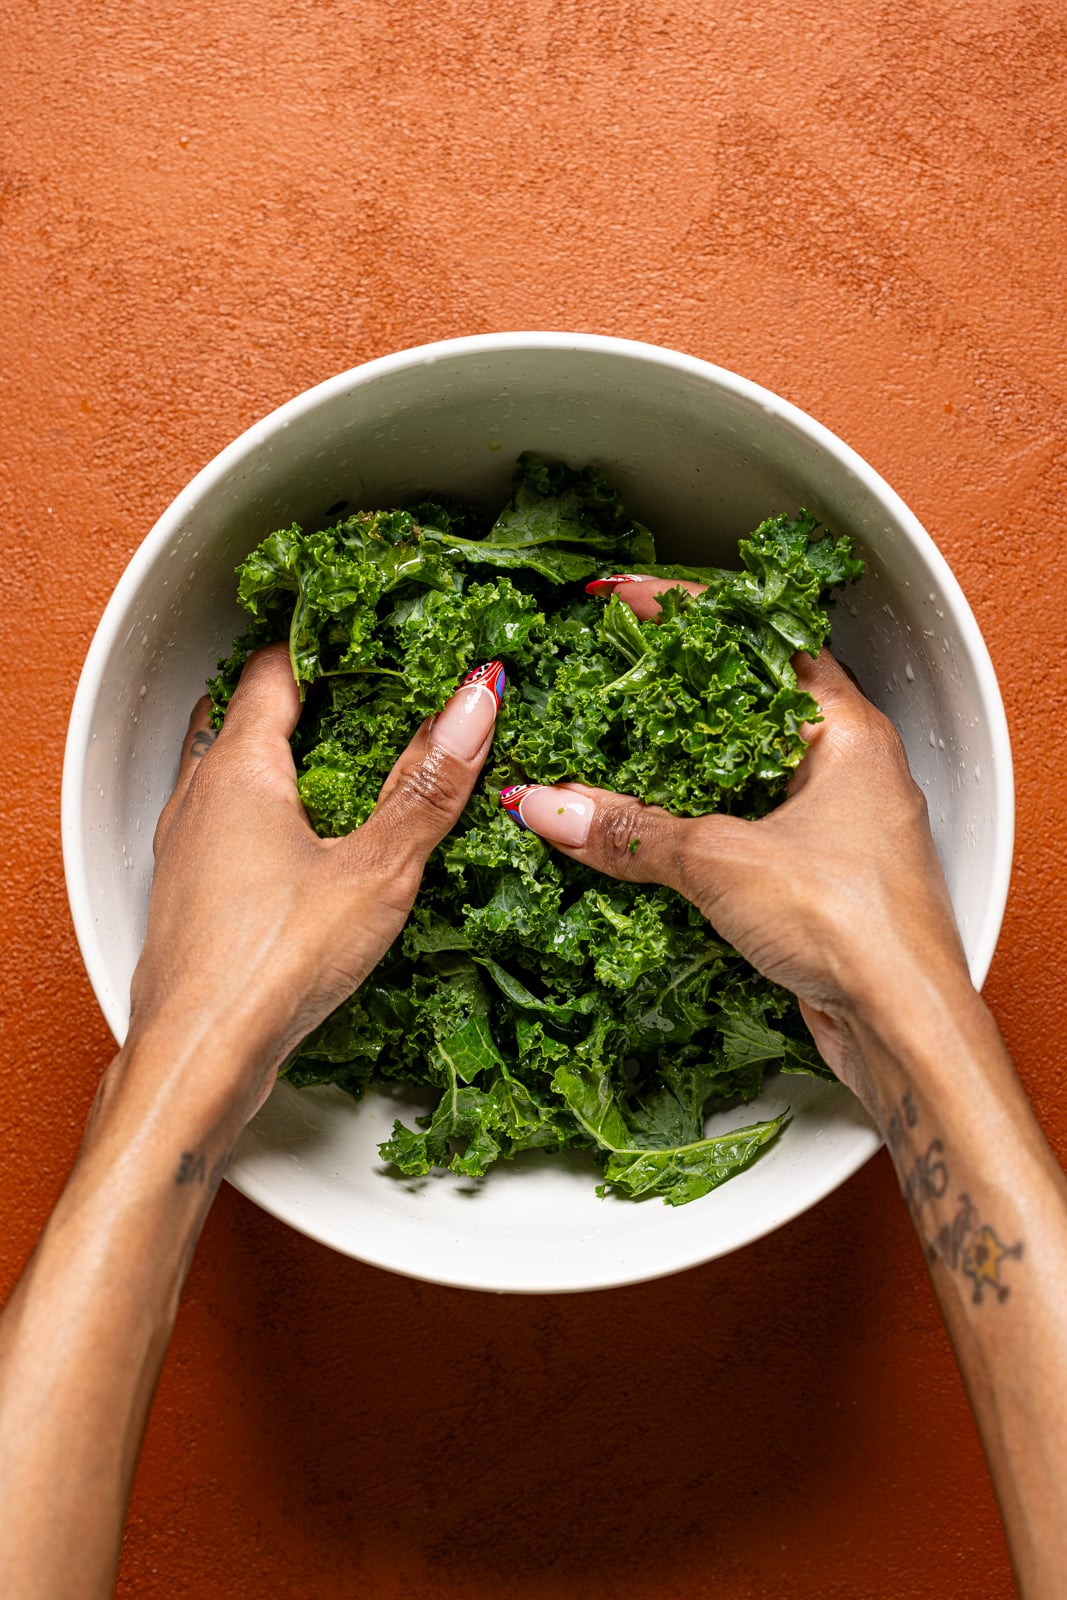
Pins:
x: 204, y: 211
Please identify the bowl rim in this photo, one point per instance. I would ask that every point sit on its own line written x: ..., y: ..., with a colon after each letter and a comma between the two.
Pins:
x: 115, y: 1007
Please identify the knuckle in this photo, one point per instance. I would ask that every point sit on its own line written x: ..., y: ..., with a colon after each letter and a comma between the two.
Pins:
x: 623, y: 829
x: 918, y: 807
x: 886, y: 738
x: 432, y: 785
x: 643, y: 843
x: 887, y: 748
x: 702, y: 842
x: 163, y: 822
x: 869, y: 739
x: 413, y: 814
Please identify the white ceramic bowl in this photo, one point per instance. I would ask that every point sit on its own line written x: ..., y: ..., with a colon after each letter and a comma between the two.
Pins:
x: 702, y: 456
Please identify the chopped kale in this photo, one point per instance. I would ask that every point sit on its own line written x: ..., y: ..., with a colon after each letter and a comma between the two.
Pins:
x: 551, y: 1007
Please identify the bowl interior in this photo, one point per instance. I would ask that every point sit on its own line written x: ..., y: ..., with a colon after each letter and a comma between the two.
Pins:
x: 701, y: 456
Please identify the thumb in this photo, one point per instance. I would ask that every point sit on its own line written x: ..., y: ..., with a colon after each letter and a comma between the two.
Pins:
x: 714, y: 861
x: 615, y: 833
x: 431, y: 782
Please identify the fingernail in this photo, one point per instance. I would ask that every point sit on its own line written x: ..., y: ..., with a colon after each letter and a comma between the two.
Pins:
x: 511, y: 799
x: 609, y: 585
x: 559, y: 815
x: 466, y: 720
x: 491, y: 676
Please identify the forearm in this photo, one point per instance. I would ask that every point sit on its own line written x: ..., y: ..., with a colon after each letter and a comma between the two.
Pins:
x: 989, y: 1203
x: 84, y: 1335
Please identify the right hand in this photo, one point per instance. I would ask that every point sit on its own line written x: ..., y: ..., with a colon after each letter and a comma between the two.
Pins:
x: 838, y: 894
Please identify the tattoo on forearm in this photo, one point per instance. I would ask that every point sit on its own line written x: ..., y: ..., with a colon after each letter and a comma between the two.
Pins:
x: 201, y: 743
x: 926, y: 1179
x: 970, y: 1247
x: 192, y: 1168
x: 963, y: 1243
x: 904, y: 1117
x: 981, y: 1262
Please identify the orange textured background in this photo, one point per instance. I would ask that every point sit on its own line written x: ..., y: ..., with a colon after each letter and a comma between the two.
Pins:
x: 204, y: 211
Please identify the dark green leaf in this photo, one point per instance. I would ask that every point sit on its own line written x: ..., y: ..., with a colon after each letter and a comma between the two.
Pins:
x: 547, y: 1006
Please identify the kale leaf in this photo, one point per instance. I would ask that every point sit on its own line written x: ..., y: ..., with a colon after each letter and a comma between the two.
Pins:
x: 549, y: 1007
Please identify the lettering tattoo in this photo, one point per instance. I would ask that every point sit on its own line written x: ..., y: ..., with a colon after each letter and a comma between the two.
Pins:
x: 192, y: 1168
x: 202, y: 742
x: 963, y: 1243
x: 904, y: 1117
x: 949, y: 1240
x: 927, y: 1179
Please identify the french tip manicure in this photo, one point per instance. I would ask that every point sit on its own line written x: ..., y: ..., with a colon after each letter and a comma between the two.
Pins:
x: 490, y: 675
x: 466, y: 720
x: 511, y: 799
x: 558, y: 815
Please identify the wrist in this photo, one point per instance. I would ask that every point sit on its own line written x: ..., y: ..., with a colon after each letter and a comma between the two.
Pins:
x: 915, y: 1022
x: 174, y: 1090
x: 154, y: 1152
x: 212, y: 1063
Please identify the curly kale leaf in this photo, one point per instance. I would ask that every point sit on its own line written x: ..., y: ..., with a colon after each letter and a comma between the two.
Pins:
x: 552, y: 508
x: 545, y: 1006
x: 694, y: 712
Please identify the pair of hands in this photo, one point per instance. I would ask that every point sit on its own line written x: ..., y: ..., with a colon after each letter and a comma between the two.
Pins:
x: 256, y: 921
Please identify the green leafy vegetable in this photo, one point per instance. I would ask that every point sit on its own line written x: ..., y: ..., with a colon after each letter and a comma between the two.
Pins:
x: 551, y: 1007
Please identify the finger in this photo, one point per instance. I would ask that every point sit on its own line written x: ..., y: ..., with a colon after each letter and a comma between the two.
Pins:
x: 199, y: 738
x: 827, y: 679
x: 431, y: 782
x: 846, y: 713
x: 612, y: 833
x: 641, y: 594
x: 266, y: 702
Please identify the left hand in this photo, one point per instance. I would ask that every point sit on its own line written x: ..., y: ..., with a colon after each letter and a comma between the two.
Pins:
x: 837, y: 894
x: 257, y: 927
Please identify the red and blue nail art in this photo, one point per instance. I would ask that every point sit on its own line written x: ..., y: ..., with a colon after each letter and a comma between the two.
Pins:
x: 609, y: 585
x: 491, y: 676
x: 511, y: 799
